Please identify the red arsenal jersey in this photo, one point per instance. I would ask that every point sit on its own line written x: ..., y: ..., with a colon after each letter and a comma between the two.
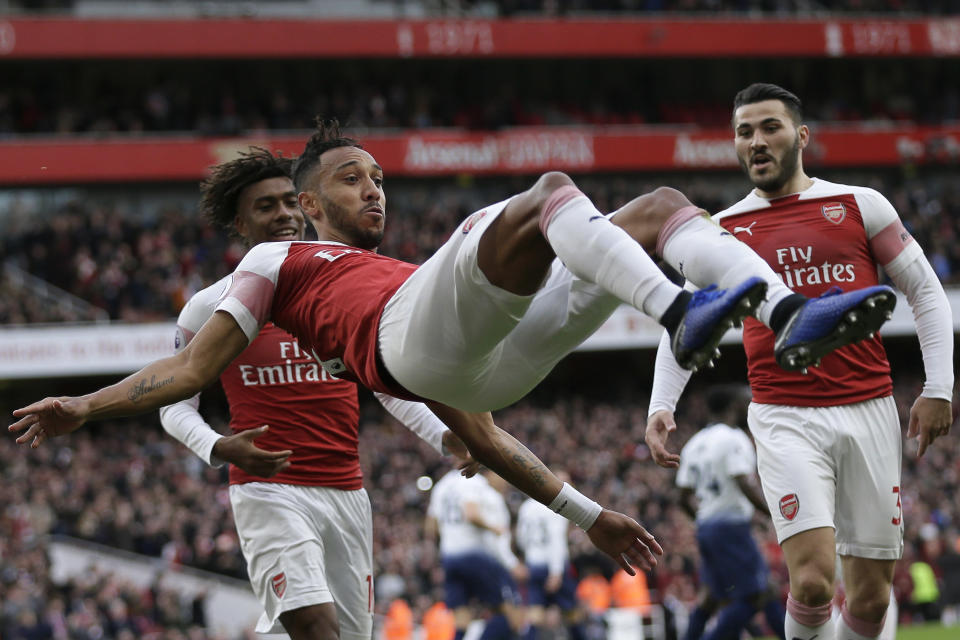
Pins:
x: 829, y: 235
x: 329, y: 295
x: 274, y: 382
x: 311, y: 413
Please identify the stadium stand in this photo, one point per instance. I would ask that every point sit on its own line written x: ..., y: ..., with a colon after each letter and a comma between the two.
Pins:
x: 140, y: 262
x: 151, y: 496
x: 235, y: 97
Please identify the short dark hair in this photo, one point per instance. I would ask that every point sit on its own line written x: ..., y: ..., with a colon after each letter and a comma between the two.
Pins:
x: 219, y: 192
x: 327, y: 136
x: 722, y: 396
x: 760, y: 91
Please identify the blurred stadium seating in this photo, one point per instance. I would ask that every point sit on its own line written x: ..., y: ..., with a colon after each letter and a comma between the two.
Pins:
x: 107, y: 124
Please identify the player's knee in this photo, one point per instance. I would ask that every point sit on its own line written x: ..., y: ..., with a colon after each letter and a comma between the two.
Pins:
x: 551, y: 181
x: 645, y: 216
x: 525, y: 209
x: 811, y: 588
x: 870, y: 607
x: 545, y: 187
x: 664, y: 202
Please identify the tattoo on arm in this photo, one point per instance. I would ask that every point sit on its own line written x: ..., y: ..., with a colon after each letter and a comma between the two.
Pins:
x: 513, y: 450
x: 142, y: 388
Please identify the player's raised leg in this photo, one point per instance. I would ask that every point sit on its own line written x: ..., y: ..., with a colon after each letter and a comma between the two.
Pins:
x: 554, y: 219
x: 665, y: 222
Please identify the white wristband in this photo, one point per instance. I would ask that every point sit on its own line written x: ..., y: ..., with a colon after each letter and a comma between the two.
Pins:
x: 576, y: 507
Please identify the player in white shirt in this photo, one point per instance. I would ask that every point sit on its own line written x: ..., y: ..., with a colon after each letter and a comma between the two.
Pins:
x: 542, y: 537
x: 473, y: 523
x: 828, y: 440
x: 717, y: 466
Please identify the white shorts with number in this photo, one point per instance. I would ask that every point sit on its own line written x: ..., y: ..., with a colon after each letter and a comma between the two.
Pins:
x: 834, y: 467
x: 306, y: 546
x: 450, y: 335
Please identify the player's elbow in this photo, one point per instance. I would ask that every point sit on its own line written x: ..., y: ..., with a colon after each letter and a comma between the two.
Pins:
x: 195, y: 373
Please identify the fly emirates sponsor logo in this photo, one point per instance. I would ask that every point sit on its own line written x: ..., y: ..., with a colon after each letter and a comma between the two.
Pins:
x: 298, y: 366
x: 797, y: 268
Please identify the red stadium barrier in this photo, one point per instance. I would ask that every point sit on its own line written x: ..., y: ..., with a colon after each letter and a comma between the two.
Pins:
x: 432, y: 152
x: 38, y: 38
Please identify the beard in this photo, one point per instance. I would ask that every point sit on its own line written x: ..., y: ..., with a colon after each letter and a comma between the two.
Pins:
x: 788, y: 168
x: 340, y: 219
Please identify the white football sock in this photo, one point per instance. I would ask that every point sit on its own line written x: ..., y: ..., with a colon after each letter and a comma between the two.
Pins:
x: 596, y: 250
x: 808, y: 623
x: 705, y: 253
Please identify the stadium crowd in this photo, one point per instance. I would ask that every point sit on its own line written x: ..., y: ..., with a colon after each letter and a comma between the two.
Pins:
x: 140, y: 264
x: 217, y: 98
x: 151, y: 496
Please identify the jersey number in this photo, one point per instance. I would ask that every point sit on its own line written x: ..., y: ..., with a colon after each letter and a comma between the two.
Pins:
x: 896, y: 521
x: 705, y: 481
x: 333, y: 254
x: 369, y: 593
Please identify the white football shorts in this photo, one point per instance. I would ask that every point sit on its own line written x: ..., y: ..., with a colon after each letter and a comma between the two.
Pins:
x: 450, y: 335
x: 837, y: 467
x: 306, y: 546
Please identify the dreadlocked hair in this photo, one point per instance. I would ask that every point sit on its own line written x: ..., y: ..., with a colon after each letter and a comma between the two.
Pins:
x: 327, y: 136
x: 220, y: 192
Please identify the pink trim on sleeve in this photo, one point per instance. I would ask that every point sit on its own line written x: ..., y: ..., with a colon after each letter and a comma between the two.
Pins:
x: 676, y: 220
x: 890, y: 241
x: 254, y: 292
x: 557, y: 199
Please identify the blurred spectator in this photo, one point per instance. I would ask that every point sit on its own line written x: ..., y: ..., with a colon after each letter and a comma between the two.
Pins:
x: 924, y: 606
x: 949, y: 566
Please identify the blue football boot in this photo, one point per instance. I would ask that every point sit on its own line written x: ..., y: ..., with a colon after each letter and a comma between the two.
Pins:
x: 709, y: 314
x: 829, y: 322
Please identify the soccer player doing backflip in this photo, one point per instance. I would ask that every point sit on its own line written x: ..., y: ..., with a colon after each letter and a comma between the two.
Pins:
x: 517, y: 286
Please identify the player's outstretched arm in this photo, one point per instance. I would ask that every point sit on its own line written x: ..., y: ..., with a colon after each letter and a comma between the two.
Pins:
x: 159, y: 383
x: 617, y: 535
x: 932, y: 413
x: 669, y: 381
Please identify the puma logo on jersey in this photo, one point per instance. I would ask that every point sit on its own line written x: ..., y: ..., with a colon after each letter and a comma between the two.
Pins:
x: 748, y: 229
